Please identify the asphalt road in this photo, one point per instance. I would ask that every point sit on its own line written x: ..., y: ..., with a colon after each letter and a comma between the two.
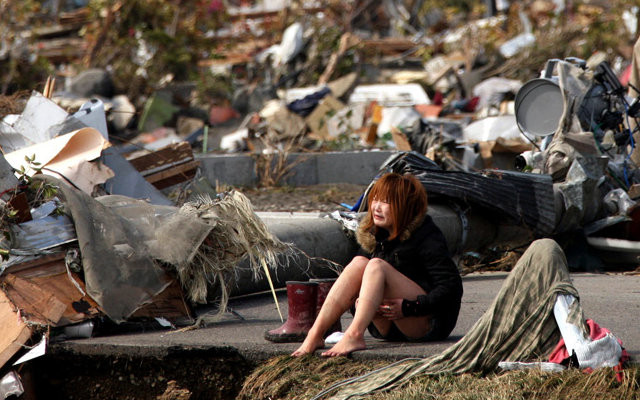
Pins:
x: 613, y: 301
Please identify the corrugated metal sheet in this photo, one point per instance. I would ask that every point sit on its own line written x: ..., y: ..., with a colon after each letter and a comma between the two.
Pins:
x: 521, y: 198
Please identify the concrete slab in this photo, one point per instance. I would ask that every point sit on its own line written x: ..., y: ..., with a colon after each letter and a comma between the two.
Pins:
x: 611, y: 300
x: 357, y: 167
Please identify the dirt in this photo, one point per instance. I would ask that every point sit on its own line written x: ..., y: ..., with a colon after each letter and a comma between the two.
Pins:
x: 183, y: 374
x: 322, y: 197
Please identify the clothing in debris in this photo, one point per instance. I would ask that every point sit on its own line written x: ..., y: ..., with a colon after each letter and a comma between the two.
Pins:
x: 560, y: 355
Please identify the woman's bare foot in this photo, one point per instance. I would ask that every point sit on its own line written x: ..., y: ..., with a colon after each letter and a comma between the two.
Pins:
x: 308, y: 347
x: 347, y: 345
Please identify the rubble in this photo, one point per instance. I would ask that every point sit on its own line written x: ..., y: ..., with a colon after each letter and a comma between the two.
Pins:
x: 516, y: 128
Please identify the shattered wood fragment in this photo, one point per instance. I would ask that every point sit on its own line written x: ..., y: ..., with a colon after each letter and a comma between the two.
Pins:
x: 79, y: 16
x: 49, y: 273
x: 241, y: 14
x: 95, y: 45
x: 36, y: 304
x: 347, y: 41
x: 14, y: 333
x: 400, y: 139
x: 173, y: 175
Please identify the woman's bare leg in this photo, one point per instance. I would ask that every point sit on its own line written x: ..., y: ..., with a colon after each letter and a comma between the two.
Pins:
x: 341, y: 296
x: 380, y: 280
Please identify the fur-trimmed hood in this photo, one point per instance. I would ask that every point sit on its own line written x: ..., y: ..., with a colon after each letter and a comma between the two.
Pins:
x: 367, y: 240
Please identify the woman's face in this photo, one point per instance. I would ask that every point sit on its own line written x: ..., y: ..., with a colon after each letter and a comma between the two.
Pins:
x: 381, y: 212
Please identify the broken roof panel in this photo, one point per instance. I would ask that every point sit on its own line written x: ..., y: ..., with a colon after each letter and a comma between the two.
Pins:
x: 43, y: 233
x: 524, y: 198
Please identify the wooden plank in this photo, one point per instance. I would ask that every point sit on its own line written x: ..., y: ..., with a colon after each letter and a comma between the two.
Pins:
x: 172, y: 154
x: 35, y: 303
x: 14, y: 332
x: 176, y: 170
x: 172, y: 176
x: 51, y: 276
x: 41, y: 261
x: 60, y: 49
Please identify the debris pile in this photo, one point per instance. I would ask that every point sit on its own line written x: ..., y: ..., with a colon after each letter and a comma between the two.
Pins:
x: 499, y: 112
x: 76, y: 253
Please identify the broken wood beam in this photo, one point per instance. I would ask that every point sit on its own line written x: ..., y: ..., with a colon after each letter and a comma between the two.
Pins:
x: 168, y: 166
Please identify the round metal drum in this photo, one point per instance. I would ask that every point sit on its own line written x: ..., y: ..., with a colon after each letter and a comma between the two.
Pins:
x: 538, y: 107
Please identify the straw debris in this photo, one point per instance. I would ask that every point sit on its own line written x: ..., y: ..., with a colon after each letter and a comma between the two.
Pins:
x: 531, y: 384
x: 286, y: 377
x: 237, y: 234
x: 302, y: 378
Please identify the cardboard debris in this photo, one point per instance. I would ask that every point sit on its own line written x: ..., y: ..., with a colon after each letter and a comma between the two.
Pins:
x: 282, y: 124
x: 341, y: 86
x: 69, y: 156
x: 400, y: 139
x: 634, y: 191
x: 490, y: 150
x: 169, y: 304
x: 317, y: 120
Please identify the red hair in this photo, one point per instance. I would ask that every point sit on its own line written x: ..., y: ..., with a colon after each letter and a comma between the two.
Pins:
x: 406, y: 196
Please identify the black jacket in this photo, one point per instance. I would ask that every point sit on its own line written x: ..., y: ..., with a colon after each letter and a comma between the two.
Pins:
x: 421, y: 254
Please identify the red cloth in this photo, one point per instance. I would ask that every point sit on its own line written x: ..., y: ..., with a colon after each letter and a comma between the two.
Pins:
x: 560, y: 353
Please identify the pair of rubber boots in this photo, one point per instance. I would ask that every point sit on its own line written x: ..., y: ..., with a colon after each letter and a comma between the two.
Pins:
x: 305, y: 300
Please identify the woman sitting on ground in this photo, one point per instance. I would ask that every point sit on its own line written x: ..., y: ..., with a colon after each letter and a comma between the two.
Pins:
x: 403, y: 283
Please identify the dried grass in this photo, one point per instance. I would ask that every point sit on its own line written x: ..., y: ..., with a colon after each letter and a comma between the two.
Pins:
x: 237, y: 234
x: 286, y: 377
x: 532, y: 384
x: 491, y: 260
x: 14, y: 104
x: 301, y: 378
x: 272, y: 168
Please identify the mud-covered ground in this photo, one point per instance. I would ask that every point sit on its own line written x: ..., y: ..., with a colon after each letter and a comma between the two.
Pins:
x: 323, y: 197
x: 184, y: 374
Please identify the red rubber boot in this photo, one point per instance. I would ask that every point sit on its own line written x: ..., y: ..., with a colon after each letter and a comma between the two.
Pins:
x: 301, y: 297
x: 324, y: 285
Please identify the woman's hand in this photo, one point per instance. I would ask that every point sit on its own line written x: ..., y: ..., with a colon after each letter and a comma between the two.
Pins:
x: 391, y: 309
